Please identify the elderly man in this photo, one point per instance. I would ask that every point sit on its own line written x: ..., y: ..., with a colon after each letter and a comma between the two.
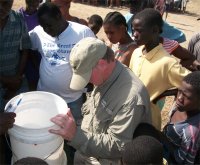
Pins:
x: 118, y: 103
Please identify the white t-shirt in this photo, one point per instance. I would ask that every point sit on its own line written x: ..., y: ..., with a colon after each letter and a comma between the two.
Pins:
x: 55, y: 69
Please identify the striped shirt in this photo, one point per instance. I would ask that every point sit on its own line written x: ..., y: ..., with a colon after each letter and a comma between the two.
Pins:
x: 169, y: 45
x: 185, y: 136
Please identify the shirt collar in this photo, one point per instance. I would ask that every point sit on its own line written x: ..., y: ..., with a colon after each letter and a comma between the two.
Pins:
x: 152, y: 53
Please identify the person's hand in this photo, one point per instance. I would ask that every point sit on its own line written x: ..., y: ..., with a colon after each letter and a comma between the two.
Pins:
x: 11, y: 82
x: 67, y: 126
x: 7, y: 120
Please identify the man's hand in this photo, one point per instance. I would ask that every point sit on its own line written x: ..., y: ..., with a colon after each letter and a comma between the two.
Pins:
x: 67, y: 126
x: 6, y: 121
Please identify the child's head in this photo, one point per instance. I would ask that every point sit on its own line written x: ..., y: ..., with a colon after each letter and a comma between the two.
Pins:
x: 115, y: 26
x: 95, y: 23
x: 147, y: 26
x: 143, y: 150
x: 30, y: 161
x: 147, y: 130
x: 32, y: 5
x: 139, y: 5
x: 189, y: 93
x: 50, y: 18
x: 64, y: 6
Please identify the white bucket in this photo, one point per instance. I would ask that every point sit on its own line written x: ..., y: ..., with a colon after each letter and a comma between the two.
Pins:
x: 29, y: 136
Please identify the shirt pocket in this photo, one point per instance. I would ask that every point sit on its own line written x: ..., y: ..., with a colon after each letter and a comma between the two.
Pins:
x: 104, y: 113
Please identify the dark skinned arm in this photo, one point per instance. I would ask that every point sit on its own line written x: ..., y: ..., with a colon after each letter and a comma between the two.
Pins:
x: 13, y: 83
x: 188, y: 60
x: 34, y: 58
x: 6, y: 121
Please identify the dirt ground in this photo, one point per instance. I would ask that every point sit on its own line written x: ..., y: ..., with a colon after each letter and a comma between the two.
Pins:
x: 186, y: 22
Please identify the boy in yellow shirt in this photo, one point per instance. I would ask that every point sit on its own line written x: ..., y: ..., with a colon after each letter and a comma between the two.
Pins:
x: 158, y: 70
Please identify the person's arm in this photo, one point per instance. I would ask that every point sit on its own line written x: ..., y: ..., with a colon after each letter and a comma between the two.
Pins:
x: 6, y: 121
x: 13, y: 83
x: 126, y: 57
x: 25, y: 46
x: 188, y: 60
x: 108, y: 144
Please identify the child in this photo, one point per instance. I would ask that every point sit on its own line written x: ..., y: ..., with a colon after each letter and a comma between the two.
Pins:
x: 183, y: 129
x: 168, y: 38
x: 30, y: 161
x: 151, y: 63
x: 30, y: 13
x: 95, y: 23
x: 30, y: 17
x: 115, y: 28
x: 143, y: 150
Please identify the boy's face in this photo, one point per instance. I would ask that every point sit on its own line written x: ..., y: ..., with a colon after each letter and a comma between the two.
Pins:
x: 5, y: 7
x: 50, y: 25
x: 142, y: 34
x: 187, y: 99
x: 32, y: 5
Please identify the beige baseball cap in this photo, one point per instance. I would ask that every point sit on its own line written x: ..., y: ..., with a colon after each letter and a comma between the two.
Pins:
x: 83, y: 58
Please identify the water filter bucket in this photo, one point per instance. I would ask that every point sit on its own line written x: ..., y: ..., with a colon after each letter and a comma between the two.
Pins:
x: 29, y: 136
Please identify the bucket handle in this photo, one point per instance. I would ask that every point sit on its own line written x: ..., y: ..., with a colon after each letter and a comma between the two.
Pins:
x: 44, y: 157
x: 13, y: 106
x: 54, y: 150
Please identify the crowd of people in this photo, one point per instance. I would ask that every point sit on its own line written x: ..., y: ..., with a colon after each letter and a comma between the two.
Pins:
x: 110, y: 86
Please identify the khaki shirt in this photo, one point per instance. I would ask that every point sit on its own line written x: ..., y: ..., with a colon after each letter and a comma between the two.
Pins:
x: 111, y: 115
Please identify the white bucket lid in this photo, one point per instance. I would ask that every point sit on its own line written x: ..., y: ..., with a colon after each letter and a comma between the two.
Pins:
x: 34, y: 112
